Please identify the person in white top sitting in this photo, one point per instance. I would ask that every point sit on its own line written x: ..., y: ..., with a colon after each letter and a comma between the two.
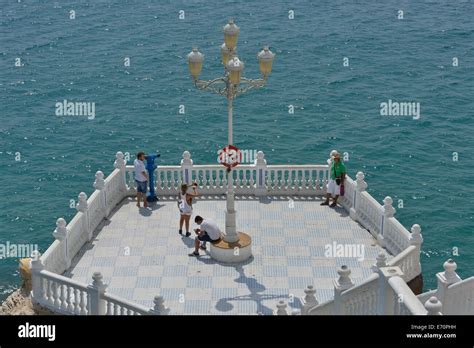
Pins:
x: 209, y: 232
x: 141, y: 178
x: 185, y: 206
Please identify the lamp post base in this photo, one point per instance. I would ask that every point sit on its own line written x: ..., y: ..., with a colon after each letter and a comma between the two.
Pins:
x: 151, y: 198
x: 235, y: 252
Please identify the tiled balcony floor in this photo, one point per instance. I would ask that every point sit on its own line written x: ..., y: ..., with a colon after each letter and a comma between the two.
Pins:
x: 141, y: 254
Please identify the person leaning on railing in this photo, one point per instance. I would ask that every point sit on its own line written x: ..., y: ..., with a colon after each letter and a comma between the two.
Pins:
x: 337, y: 175
x: 141, y: 178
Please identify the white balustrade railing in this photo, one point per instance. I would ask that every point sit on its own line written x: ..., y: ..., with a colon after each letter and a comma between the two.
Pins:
x: 396, y: 237
x: 116, y: 305
x: 95, y: 209
x: 459, y: 298
x: 325, y: 308
x: 60, y: 294
x: 404, y: 301
x: 370, y: 213
x: 296, y: 179
x: 77, y: 236
x: 386, y: 293
x: 68, y: 296
x: 212, y: 179
x: 130, y: 178
x: 167, y: 179
x: 53, y: 258
x: 348, y: 199
x: 245, y: 179
x: 59, y: 254
x: 112, y: 190
x: 253, y: 179
x: 379, y: 294
x: 361, y: 299
x: 408, y: 261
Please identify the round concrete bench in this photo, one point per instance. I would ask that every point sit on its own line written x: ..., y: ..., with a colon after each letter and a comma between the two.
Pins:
x: 239, y: 251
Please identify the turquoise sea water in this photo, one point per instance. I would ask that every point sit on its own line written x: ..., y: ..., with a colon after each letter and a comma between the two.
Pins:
x: 137, y: 107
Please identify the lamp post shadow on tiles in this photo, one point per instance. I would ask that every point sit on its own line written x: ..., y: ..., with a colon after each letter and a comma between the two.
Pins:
x: 235, y: 246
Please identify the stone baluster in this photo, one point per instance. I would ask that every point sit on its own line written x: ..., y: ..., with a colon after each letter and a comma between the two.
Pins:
x: 49, y: 292
x: 309, y: 300
x: 281, y: 308
x: 64, y: 298
x: 217, y: 181
x: 326, y: 173
x: 260, y: 169
x: 252, y: 181
x: 99, y: 184
x: 445, y: 279
x: 56, y: 295
x: 96, y: 291
x: 186, y: 168
x: 341, y: 284
x: 37, y: 266
x: 388, y: 212
x: 82, y: 207
x: 360, y: 186
x: 81, y: 297
x: 121, y: 164
x: 70, y: 299
x: 159, y: 307
x: 433, y: 306
x: 205, y: 178
x: 381, y: 261
x: 61, y: 234
x: 131, y: 183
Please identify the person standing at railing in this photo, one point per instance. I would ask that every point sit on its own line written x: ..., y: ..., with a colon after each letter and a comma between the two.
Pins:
x: 330, y: 160
x: 185, y: 206
x: 141, y: 178
x: 337, y: 174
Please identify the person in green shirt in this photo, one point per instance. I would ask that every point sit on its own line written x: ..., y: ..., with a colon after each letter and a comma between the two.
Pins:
x: 337, y: 174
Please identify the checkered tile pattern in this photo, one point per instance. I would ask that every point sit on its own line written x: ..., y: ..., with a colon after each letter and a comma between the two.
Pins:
x: 141, y: 254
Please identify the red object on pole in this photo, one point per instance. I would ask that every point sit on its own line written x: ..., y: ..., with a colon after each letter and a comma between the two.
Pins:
x: 230, y: 156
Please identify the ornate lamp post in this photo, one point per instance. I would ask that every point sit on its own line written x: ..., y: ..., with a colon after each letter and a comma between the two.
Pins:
x: 230, y: 85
